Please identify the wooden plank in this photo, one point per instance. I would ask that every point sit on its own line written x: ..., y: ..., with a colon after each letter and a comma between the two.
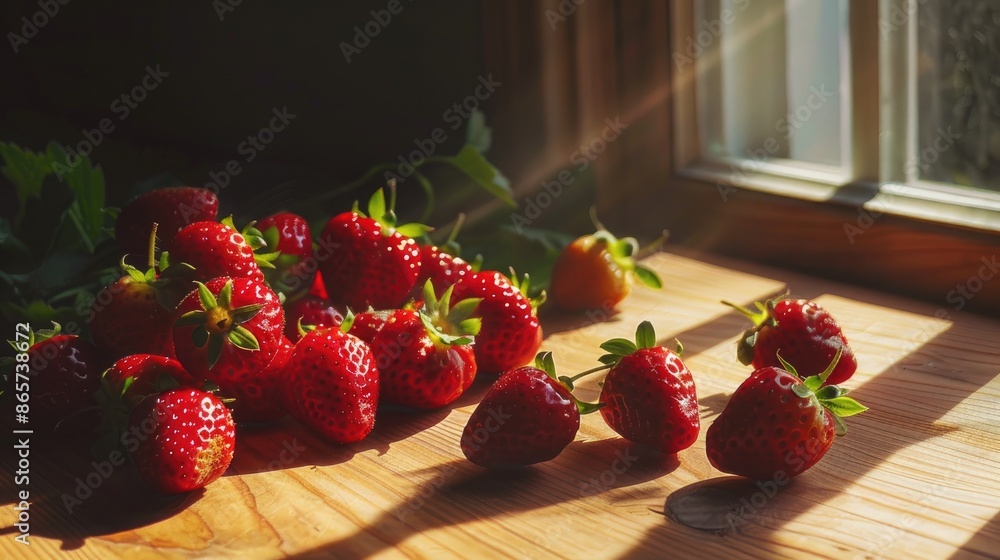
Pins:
x: 917, y: 476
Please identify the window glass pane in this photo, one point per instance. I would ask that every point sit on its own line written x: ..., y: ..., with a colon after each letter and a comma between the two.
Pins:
x: 958, y: 93
x: 775, y: 90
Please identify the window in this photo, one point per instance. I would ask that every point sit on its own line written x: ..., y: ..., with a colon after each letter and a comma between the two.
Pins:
x: 891, y: 105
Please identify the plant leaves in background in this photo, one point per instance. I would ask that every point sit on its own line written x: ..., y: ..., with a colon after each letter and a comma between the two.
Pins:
x: 26, y: 170
x: 477, y: 134
x: 472, y: 163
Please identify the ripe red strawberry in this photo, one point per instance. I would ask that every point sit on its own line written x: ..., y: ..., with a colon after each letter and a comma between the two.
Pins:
x: 527, y: 417
x: 288, y: 234
x: 331, y: 384
x: 370, y: 262
x: 649, y: 394
x: 441, y: 268
x: 217, y: 249
x: 806, y: 335
x: 172, y: 208
x: 181, y: 440
x: 366, y: 325
x: 145, y: 375
x: 310, y: 310
x: 129, y: 316
x: 511, y: 333
x: 318, y: 287
x: 259, y: 400
x: 63, y: 372
x: 776, y: 424
x: 228, y: 332
x: 425, y: 358
x: 608, y: 267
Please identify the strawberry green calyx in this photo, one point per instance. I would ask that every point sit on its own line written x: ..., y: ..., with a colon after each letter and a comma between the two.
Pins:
x: 386, y: 215
x: 218, y: 322
x: 522, y: 285
x: 762, y: 316
x: 831, y: 397
x: 448, y: 324
x: 545, y: 362
x: 618, y: 348
x: 622, y: 252
x: 255, y: 239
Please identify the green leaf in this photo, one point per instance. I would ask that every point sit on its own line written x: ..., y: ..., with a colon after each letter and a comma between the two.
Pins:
x: 801, y: 391
x: 648, y: 277
x: 214, y: 351
x: 87, y: 183
x: 471, y: 326
x: 472, y: 163
x: 190, y: 318
x: 226, y: 296
x: 609, y: 359
x: 413, y: 230
x: 545, y: 362
x: 208, y: 300
x: 477, y: 134
x: 376, y: 205
x: 844, y: 406
x: 271, y: 237
x: 464, y: 309
x: 245, y: 313
x: 619, y: 346
x: 26, y: 170
x: 199, y: 336
x: 243, y: 338
x: 588, y: 408
x: 840, y: 427
x: 645, y: 336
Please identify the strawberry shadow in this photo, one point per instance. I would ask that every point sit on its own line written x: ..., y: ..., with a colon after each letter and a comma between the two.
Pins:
x: 556, y: 320
x: 459, y: 492
x: 73, y: 499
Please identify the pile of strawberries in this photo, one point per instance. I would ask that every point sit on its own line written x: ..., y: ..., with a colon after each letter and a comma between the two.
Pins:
x: 232, y: 326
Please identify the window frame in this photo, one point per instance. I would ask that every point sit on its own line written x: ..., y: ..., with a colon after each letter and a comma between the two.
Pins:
x: 614, y: 58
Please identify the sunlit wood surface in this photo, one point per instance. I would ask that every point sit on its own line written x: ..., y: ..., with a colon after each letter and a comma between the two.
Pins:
x: 917, y: 477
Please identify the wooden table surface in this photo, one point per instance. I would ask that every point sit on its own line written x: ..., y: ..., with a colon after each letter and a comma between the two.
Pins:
x: 918, y: 476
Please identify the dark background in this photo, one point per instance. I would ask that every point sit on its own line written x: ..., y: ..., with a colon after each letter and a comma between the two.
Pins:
x: 225, y: 77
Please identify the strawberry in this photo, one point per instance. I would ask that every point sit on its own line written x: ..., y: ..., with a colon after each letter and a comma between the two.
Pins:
x: 63, y: 371
x: 138, y: 376
x: 288, y: 234
x: 425, y: 358
x: 228, y: 332
x: 181, y: 440
x: 370, y: 262
x: 649, y: 394
x: 217, y: 249
x: 132, y: 315
x: 511, y: 333
x: 778, y: 424
x: 442, y: 265
x: 172, y: 208
x: 258, y: 400
x: 528, y: 416
x: 596, y: 271
x: 318, y: 287
x: 806, y: 335
x: 366, y: 325
x: 310, y: 310
x: 331, y: 384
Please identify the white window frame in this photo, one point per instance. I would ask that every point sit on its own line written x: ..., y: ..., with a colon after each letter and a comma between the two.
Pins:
x: 880, y: 109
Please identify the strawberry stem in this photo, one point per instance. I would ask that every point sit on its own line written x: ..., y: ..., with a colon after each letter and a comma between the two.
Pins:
x: 151, y: 253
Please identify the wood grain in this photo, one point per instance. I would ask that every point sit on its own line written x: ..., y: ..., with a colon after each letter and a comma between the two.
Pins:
x: 918, y: 476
